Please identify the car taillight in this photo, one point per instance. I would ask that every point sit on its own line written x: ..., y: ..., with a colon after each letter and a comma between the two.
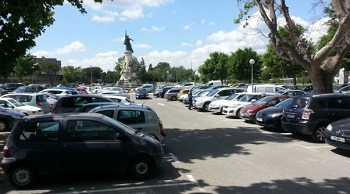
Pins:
x: 306, y: 114
x: 161, y: 128
x: 39, y: 103
x: 6, y: 152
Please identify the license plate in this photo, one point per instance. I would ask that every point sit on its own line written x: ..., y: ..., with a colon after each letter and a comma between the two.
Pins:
x: 259, y: 119
x: 290, y: 116
x: 340, y: 139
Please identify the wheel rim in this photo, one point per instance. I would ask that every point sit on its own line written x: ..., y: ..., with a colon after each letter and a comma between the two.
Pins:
x: 22, y: 176
x: 206, y: 107
x: 141, y: 169
x: 2, y: 126
x: 239, y: 113
x: 319, y: 133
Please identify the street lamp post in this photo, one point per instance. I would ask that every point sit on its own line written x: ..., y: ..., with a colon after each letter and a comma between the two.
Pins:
x: 90, y: 75
x: 252, y: 61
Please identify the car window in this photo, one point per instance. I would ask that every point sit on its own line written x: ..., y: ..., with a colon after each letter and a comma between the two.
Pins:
x: 131, y: 116
x: 338, y: 103
x: 85, y: 130
x: 99, y: 100
x: 41, y: 98
x: 108, y: 113
x: 40, y: 132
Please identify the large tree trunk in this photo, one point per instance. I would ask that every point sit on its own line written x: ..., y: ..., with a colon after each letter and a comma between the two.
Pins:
x: 322, y: 81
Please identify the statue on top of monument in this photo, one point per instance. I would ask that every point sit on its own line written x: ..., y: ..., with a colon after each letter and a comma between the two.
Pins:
x: 127, y: 43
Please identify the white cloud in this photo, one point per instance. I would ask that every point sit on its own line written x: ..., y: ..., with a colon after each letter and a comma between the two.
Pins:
x: 75, y: 46
x: 207, y: 23
x: 185, y: 44
x: 109, y: 16
x: 106, y: 61
x: 187, y: 27
x: 142, y: 46
x: 153, y: 29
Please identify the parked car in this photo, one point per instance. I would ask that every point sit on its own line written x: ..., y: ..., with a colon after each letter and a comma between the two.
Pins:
x: 9, y: 118
x: 233, y: 108
x: 71, y: 103
x: 164, y: 90
x: 337, y: 134
x: 58, y: 91
x: 149, y: 87
x: 88, y: 106
x: 172, y: 94
x: 271, y: 117
x: 33, y: 99
x: 138, y: 117
x: 289, y: 92
x: 202, y: 103
x: 197, y: 93
x: 3, y: 91
x: 217, y: 105
x: 23, y: 89
x: 311, y: 115
x: 93, y: 143
x: 183, y: 94
x: 141, y: 93
x: 248, y: 112
x: 11, y: 103
x: 10, y: 87
x: 120, y: 99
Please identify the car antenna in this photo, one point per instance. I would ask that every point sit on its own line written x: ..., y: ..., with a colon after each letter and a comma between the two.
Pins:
x: 143, y: 102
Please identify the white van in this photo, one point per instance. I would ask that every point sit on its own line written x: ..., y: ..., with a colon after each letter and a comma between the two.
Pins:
x: 264, y: 88
x: 214, y: 83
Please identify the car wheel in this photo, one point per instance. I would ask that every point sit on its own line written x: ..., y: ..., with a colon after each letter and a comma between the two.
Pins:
x: 238, y: 113
x: 206, y: 107
x: 22, y: 176
x: 173, y: 98
x: 318, y: 134
x: 141, y: 168
x: 4, y: 125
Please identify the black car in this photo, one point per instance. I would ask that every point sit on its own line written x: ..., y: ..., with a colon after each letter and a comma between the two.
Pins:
x: 87, y: 107
x: 270, y: 117
x: 9, y: 118
x: 71, y: 143
x: 337, y: 134
x: 10, y: 87
x: 311, y: 115
x: 164, y: 90
x: 70, y: 103
x: 141, y: 93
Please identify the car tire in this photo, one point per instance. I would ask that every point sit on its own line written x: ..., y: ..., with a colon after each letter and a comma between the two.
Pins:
x: 141, y: 168
x: 173, y: 98
x: 238, y: 113
x: 206, y: 107
x: 4, y: 126
x: 318, y: 133
x: 22, y: 176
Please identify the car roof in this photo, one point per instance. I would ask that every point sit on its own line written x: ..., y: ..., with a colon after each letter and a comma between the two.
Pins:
x: 63, y: 115
x: 133, y: 106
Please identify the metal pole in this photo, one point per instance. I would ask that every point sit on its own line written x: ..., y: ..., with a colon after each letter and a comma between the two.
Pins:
x: 252, y: 77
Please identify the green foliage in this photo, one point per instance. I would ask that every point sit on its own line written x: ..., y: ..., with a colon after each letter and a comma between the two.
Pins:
x: 215, y: 68
x: 50, y: 69
x: 240, y: 68
x: 21, y: 21
x: 25, y: 66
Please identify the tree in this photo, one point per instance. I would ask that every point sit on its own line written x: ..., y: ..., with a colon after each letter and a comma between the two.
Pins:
x: 70, y: 74
x: 215, y: 67
x: 321, y: 66
x: 240, y: 67
x: 50, y: 69
x: 25, y: 66
x: 22, y: 21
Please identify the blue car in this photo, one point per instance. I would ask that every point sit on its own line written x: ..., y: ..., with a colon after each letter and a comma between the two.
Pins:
x: 141, y: 93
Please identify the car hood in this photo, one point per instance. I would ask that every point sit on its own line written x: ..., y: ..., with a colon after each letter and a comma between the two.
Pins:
x: 11, y: 112
x: 271, y: 110
x: 341, y: 127
x: 27, y: 108
x: 229, y: 103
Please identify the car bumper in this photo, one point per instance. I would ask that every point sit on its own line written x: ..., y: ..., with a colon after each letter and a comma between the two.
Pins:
x: 215, y: 109
x: 198, y: 104
x: 248, y: 116
x: 269, y: 122
x: 297, y: 126
x: 229, y: 112
x: 336, y: 141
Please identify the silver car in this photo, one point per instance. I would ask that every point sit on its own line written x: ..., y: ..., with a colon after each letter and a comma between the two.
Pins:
x: 138, y: 117
x: 33, y: 99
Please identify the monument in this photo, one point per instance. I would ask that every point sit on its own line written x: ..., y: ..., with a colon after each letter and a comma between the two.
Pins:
x: 128, y: 78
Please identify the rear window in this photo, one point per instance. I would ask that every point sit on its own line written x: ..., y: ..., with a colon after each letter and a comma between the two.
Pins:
x: 41, y: 98
x: 298, y: 102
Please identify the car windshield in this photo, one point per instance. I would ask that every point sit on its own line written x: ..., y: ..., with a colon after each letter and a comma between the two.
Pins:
x: 15, y: 102
x: 247, y: 97
x: 114, y: 122
x: 298, y: 102
x: 212, y: 93
x: 262, y: 101
x: 233, y: 96
x: 284, y: 103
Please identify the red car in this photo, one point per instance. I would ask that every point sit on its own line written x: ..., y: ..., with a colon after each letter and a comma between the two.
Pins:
x: 248, y: 112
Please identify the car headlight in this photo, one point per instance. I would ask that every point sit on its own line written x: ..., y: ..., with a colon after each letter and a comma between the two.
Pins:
x: 329, y: 127
x: 275, y: 115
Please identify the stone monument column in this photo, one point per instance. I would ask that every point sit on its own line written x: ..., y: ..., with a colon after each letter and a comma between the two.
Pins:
x: 128, y: 78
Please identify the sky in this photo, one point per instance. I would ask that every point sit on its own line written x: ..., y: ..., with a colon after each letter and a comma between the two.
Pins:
x: 180, y: 32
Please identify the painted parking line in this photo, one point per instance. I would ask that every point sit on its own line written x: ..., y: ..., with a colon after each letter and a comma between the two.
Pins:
x: 171, y: 157
x: 313, y: 148
x: 161, y: 104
